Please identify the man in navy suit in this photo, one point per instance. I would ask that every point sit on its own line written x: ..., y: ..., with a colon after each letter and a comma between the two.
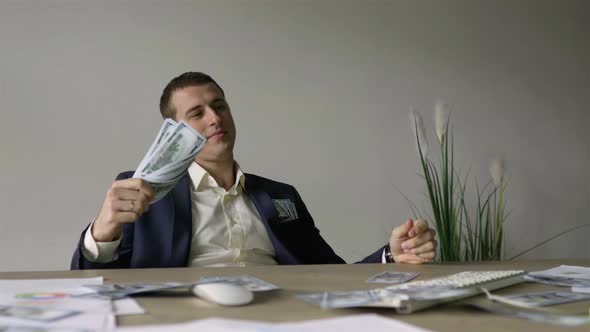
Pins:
x: 216, y: 214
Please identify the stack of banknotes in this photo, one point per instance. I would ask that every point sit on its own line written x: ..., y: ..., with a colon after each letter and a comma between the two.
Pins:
x: 169, y: 156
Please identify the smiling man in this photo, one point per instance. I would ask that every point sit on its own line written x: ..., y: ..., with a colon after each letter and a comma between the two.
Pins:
x: 217, y: 215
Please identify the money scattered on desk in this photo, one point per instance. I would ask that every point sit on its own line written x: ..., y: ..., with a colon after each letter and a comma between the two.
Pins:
x: 543, y: 299
x: 388, y: 297
x: 251, y: 283
x: 390, y: 277
x: 169, y: 156
x: 118, y: 291
x: 426, y: 293
x: 581, y: 289
x: 347, y: 299
x: 564, y: 275
x: 35, y: 313
x: 536, y: 316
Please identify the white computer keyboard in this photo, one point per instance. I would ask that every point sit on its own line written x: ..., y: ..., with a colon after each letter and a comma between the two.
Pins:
x: 467, y: 279
x: 453, y: 287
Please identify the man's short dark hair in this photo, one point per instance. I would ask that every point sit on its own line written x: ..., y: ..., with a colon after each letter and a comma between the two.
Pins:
x: 187, y: 79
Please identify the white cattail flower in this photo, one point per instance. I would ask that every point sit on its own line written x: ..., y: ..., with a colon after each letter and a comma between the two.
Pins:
x: 497, y: 170
x: 419, y: 133
x: 441, y: 119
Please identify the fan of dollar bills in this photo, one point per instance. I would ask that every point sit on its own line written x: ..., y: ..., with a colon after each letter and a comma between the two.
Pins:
x: 169, y: 156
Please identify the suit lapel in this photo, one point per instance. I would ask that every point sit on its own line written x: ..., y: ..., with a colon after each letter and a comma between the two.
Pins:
x: 268, y: 212
x: 182, y: 225
x: 164, y: 238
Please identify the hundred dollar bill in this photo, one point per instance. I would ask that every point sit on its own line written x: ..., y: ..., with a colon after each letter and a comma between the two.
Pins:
x: 169, y: 156
x: 184, y: 143
x: 167, y: 127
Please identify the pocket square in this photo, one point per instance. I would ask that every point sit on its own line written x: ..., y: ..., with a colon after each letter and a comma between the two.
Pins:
x: 286, y: 209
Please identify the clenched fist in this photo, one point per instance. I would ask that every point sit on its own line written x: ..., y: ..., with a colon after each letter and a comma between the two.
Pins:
x: 413, y: 242
x: 125, y: 201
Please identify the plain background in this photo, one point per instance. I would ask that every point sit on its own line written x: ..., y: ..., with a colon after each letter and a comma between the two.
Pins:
x: 320, y: 91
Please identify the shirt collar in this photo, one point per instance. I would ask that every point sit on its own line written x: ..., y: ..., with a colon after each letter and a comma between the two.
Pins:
x: 202, y: 180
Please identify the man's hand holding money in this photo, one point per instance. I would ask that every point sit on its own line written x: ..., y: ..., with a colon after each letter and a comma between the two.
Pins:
x: 125, y: 201
x: 166, y: 161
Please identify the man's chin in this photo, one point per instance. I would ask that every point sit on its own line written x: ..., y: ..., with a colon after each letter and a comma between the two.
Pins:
x: 211, y: 158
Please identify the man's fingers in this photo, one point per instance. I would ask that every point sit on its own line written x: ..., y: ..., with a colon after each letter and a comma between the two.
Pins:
x: 417, y: 241
x: 420, y: 226
x: 429, y: 246
x: 428, y: 255
x: 413, y: 242
x: 125, y: 194
x: 130, y: 195
x: 147, y: 190
x: 402, y: 230
x: 135, y: 184
x: 410, y: 259
x: 132, y: 183
x: 128, y: 206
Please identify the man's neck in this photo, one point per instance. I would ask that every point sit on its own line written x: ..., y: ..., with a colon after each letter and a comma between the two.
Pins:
x: 223, y: 172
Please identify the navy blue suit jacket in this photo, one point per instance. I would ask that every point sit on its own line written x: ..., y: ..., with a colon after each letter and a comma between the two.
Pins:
x: 162, y: 236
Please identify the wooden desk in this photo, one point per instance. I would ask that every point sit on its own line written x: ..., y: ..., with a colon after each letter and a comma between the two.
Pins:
x: 281, y: 305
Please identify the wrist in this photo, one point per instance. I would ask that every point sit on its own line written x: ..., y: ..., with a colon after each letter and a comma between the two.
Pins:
x: 388, y: 254
x: 102, y: 232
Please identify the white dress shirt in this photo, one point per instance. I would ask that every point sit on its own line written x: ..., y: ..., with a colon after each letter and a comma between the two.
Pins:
x: 227, y: 229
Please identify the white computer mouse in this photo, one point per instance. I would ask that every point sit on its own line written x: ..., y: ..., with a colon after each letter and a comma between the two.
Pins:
x: 223, y: 293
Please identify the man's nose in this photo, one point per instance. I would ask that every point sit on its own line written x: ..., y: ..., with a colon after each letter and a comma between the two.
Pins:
x: 212, y: 117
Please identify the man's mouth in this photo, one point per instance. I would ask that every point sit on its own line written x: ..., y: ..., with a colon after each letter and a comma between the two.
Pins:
x: 217, y: 133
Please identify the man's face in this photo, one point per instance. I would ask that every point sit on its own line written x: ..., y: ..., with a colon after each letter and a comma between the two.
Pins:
x: 203, y: 107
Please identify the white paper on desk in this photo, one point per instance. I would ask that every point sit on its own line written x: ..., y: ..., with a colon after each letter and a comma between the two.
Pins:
x: 85, y: 320
x: 56, y: 293
x: 209, y: 325
x: 32, y: 328
x: 57, y: 298
x: 94, y: 314
x: 23, y: 285
x: 369, y: 322
x: 127, y: 306
x: 62, y: 299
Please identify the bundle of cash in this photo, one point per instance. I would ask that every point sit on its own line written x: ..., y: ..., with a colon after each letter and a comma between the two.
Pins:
x: 169, y: 156
x: 388, y: 297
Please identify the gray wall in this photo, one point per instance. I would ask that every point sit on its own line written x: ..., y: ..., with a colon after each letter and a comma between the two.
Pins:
x: 320, y: 92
